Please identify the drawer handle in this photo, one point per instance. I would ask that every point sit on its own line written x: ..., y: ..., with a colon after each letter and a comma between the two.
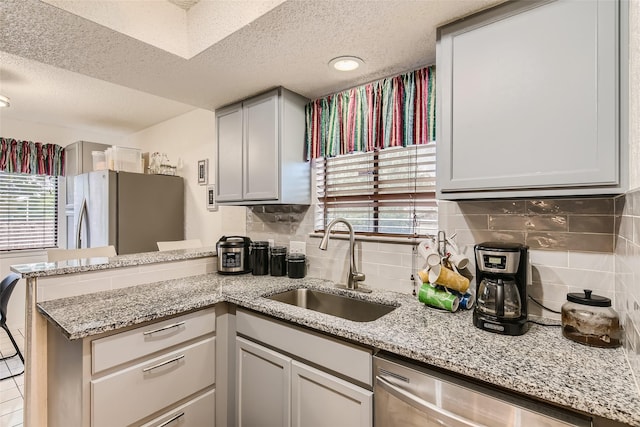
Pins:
x: 175, y: 325
x: 166, y: 362
x: 169, y: 421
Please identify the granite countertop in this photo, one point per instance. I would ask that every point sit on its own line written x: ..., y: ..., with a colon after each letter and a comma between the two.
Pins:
x: 540, y: 363
x: 42, y: 269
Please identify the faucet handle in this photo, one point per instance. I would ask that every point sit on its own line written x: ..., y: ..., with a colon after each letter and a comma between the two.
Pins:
x: 358, y: 277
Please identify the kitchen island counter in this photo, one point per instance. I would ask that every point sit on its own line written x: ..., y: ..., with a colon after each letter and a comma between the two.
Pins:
x: 82, y: 265
x: 539, y: 364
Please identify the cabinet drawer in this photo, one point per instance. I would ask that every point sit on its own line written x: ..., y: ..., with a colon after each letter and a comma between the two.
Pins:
x: 198, y: 412
x: 133, y: 393
x: 343, y: 358
x: 126, y: 346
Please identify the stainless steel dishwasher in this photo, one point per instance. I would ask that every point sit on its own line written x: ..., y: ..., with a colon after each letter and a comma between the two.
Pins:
x: 408, y: 395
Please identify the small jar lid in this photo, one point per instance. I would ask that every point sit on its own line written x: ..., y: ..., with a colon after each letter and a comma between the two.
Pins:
x: 279, y: 250
x: 296, y: 257
x: 259, y: 244
x: 587, y: 298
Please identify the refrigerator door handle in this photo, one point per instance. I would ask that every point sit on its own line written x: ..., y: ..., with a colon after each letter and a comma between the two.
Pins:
x: 83, y: 213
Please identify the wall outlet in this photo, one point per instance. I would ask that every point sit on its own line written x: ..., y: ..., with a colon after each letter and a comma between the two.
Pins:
x: 272, y: 242
x: 297, y: 247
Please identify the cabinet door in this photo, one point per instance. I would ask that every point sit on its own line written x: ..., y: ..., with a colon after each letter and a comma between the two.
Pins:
x: 263, y: 379
x: 229, y: 161
x: 528, y: 98
x: 261, y: 147
x: 320, y: 399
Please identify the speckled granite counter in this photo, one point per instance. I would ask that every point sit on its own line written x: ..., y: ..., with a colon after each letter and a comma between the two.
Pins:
x: 541, y: 363
x: 44, y: 269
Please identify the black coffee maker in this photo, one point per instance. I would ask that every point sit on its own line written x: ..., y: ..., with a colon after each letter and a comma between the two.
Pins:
x: 501, y: 288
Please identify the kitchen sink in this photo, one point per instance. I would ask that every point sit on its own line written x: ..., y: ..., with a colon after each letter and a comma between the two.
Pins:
x: 336, y: 305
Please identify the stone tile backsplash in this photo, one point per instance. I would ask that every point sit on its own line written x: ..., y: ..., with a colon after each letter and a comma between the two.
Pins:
x: 571, y: 243
x: 627, y: 267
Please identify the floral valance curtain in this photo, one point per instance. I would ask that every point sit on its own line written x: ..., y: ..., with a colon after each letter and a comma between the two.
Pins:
x: 33, y: 158
x: 393, y: 112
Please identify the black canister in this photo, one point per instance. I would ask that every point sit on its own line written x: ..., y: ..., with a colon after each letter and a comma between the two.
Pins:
x: 278, y: 265
x: 297, y: 266
x: 259, y: 258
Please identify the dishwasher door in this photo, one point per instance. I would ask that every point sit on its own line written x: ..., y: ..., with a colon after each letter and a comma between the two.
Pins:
x: 407, y: 395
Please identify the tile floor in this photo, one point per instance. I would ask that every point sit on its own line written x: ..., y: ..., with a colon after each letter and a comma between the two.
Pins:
x: 11, y: 389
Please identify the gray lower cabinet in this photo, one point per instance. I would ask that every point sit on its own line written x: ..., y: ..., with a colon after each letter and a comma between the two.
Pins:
x: 263, y: 386
x: 281, y: 390
x: 532, y: 100
x: 260, y: 151
x: 154, y: 375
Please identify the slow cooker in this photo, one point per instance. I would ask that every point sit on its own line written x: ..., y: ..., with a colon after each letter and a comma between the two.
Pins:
x: 233, y: 255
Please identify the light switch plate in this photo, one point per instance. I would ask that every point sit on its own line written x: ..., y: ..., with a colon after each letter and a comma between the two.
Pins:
x: 297, y: 247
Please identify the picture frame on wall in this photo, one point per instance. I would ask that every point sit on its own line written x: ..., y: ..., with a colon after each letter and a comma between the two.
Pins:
x: 203, y: 171
x: 211, y: 198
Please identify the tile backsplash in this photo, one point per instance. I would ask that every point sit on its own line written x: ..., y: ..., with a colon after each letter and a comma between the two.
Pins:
x: 571, y: 243
x: 627, y: 267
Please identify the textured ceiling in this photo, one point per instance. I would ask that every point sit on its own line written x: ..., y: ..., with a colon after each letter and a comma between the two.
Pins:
x: 288, y: 45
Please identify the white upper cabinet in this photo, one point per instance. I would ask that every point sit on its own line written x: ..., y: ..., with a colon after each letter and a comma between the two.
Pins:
x: 261, y: 157
x: 529, y: 101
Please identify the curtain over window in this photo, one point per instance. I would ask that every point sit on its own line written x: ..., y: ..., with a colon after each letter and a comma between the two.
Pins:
x: 31, y: 157
x: 394, y: 112
x: 374, y: 156
x: 29, y: 194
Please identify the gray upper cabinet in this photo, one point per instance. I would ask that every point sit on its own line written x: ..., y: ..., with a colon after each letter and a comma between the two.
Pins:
x: 261, y: 151
x: 531, y: 101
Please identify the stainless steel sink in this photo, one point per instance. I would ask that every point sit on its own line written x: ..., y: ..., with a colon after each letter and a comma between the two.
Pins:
x: 335, y: 305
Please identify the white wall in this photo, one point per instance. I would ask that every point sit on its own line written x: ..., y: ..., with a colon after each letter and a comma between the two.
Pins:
x: 191, y: 137
x: 50, y: 134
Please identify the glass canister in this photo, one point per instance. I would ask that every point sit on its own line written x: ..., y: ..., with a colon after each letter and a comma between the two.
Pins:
x: 259, y: 258
x: 590, y: 320
x: 296, y: 266
x: 278, y: 264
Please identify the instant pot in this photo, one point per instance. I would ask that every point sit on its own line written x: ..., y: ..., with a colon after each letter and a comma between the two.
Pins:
x: 233, y: 255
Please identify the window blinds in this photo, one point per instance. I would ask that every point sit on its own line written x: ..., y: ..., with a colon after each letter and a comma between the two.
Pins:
x: 28, y: 211
x: 390, y: 191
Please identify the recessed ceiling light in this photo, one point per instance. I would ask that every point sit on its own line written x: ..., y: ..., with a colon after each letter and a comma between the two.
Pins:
x: 4, y: 101
x: 346, y: 63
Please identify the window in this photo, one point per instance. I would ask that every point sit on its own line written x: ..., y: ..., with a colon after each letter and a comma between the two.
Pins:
x: 28, y: 211
x: 386, y: 192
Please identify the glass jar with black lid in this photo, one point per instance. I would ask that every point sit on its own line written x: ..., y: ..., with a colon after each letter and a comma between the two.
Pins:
x: 296, y: 266
x: 278, y: 263
x: 259, y: 258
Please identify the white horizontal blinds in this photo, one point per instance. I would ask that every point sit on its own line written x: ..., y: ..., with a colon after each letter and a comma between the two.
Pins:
x: 28, y: 211
x: 391, y: 191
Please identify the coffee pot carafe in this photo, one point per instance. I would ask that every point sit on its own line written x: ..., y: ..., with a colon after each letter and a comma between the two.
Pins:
x: 499, y: 297
x: 501, y: 293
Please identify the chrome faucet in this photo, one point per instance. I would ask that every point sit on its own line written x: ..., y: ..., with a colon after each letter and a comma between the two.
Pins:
x: 354, y: 277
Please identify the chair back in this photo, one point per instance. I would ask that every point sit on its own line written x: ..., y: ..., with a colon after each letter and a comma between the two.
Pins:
x: 54, y: 255
x: 6, y: 288
x: 179, y: 244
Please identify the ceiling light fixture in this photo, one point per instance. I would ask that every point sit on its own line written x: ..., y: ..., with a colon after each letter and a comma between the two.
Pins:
x: 4, y: 101
x: 346, y: 63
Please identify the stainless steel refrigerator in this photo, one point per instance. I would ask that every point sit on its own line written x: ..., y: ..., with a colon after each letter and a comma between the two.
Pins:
x: 130, y: 211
